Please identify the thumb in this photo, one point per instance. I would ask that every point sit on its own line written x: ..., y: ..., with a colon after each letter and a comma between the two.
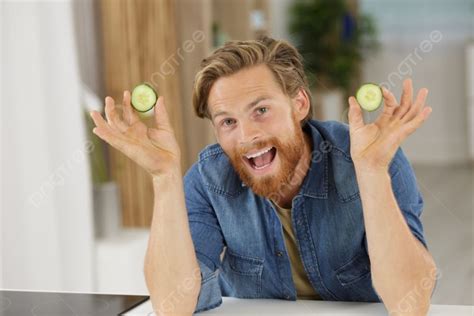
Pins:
x: 356, y: 120
x: 161, y: 114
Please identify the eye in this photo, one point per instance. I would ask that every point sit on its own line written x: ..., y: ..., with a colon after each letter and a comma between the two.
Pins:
x: 228, y: 122
x: 262, y: 110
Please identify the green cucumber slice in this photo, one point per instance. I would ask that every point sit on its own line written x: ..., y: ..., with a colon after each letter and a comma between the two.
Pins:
x: 143, y: 97
x: 369, y: 96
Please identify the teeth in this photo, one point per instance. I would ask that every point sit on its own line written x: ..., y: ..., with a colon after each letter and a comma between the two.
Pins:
x: 259, y: 153
x: 264, y: 166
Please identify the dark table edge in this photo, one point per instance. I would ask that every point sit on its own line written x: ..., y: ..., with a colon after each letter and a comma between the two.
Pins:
x: 133, y: 306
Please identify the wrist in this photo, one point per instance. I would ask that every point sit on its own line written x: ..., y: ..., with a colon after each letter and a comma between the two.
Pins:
x: 362, y: 168
x: 367, y: 173
x: 371, y: 175
x: 171, y: 174
x: 372, y: 181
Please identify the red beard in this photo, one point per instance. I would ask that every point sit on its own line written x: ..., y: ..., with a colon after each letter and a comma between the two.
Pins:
x: 289, y: 153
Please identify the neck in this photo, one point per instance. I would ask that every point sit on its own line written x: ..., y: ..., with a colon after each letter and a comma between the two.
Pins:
x: 285, y: 198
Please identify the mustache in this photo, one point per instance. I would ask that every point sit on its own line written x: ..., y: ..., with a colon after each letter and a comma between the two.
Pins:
x: 257, y: 145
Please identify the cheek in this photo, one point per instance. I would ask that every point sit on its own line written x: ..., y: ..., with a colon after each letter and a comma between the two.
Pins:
x: 227, y: 143
x: 223, y: 139
x: 281, y: 128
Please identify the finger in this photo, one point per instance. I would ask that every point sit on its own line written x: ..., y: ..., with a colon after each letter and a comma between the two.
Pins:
x: 161, y: 115
x: 128, y: 113
x: 416, y: 122
x: 111, y: 136
x: 112, y: 116
x: 389, y: 107
x: 356, y: 119
x: 405, y: 104
x: 98, y: 120
x: 389, y: 100
x: 407, y: 94
x: 417, y: 106
x: 102, y: 129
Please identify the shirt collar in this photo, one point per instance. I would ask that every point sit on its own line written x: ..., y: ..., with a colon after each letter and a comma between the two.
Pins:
x: 315, y: 183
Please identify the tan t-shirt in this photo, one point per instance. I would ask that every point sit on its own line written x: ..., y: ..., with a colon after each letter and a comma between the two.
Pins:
x: 304, y: 290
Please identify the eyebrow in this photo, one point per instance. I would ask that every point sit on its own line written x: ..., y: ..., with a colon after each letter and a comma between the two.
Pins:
x: 248, y: 107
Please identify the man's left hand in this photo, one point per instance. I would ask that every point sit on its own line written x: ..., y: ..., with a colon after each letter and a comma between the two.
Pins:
x: 374, y: 145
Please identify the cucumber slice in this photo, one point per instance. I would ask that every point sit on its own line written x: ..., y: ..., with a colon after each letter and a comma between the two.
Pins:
x: 369, y: 96
x: 143, y: 97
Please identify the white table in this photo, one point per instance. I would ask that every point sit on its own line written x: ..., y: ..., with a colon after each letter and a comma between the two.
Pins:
x: 263, y: 307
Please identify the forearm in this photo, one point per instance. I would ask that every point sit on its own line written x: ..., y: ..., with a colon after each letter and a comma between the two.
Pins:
x: 402, y: 269
x: 171, y: 269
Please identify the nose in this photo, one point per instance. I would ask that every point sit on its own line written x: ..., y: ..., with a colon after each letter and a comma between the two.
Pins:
x: 249, y: 132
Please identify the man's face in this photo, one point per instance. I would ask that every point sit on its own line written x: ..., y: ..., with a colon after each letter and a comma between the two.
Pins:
x: 258, y: 127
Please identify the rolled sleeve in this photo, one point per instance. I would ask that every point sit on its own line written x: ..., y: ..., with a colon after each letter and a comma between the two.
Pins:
x: 407, y: 194
x: 210, y: 295
x: 207, y: 239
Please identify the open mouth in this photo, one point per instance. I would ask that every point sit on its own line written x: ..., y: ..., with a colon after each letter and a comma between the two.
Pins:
x: 261, y: 159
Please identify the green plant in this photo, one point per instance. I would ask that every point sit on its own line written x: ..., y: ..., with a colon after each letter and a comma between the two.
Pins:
x: 332, y: 40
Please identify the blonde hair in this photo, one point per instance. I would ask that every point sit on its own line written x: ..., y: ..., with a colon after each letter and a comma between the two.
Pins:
x: 281, y: 58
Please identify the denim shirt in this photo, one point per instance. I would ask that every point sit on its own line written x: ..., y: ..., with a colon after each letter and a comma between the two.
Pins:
x: 327, y: 218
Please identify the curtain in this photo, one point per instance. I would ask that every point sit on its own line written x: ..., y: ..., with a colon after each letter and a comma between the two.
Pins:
x: 46, y: 204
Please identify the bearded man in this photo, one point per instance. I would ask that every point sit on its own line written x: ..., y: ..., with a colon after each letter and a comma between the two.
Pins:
x: 282, y: 206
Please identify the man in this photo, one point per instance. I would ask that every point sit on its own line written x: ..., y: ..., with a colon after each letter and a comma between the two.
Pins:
x: 282, y: 206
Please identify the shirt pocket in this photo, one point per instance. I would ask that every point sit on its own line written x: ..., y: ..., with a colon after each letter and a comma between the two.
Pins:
x: 355, y: 277
x: 354, y: 270
x: 243, y: 274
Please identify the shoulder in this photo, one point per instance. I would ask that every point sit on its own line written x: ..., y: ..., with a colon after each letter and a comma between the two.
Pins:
x: 214, y: 171
x: 210, y: 152
x: 338, y: 136
x: 334, y: 134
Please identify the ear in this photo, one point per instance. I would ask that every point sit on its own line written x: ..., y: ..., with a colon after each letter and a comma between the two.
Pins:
x: 301, y: 104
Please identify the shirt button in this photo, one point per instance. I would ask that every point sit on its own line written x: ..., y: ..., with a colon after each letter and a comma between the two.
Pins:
x: 279, y: 253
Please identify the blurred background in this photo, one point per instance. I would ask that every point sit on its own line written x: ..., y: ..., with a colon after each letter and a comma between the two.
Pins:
x: 76, y: 213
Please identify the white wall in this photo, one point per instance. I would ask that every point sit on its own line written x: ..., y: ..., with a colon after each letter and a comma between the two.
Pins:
x: 470, y: 95
x: 120, y: 261
x: 89, y: 47
x: 279, y: 18
x: 1, y: 152
x: 439, y: 66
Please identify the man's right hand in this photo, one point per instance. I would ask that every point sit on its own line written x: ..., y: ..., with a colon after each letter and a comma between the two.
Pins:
x: 154, y: 149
